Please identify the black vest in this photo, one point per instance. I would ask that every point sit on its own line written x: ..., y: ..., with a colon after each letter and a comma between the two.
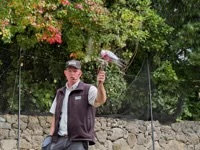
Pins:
x: 81, y: 115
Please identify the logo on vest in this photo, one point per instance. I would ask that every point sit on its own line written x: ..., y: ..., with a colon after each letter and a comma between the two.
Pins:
x: 77, y: 97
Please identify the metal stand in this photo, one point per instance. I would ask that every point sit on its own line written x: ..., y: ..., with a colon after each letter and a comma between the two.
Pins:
x: 150, y: 101
x: 19, y: 101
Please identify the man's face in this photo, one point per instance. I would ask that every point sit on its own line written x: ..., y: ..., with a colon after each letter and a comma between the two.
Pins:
x: 72, y: 74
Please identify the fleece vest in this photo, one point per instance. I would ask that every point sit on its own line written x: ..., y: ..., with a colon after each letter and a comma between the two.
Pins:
x: 81, y: 115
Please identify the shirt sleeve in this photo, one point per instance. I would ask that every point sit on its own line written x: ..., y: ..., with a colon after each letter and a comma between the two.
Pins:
x: 92, y: 95
x: 53, y: 107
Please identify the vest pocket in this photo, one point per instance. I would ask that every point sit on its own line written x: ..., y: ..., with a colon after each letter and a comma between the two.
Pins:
x: 89, y: 123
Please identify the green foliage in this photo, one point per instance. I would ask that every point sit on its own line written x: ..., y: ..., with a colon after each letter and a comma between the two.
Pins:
x: 165, y: 77
x: 166, y: 102
x: 114, y: 85
x: 183, y: 50
x: 121, y: 25
x: 37, y: 98
x: 45, y: 20
x: 50, y: 32
x: 124, y: 24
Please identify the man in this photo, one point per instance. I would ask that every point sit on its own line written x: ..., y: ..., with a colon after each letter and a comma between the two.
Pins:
x: 73, y: 110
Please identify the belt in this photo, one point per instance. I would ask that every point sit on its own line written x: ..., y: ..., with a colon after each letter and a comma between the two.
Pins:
x: 65, y: 135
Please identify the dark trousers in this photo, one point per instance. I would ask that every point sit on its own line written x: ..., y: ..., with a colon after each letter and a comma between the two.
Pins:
x: 64, y: 144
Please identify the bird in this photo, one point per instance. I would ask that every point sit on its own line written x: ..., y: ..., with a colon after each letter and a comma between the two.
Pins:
x: 112, y: 58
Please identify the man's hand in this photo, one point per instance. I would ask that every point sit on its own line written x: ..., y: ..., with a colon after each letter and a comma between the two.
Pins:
x: 101, y: 92
x: 101, y: 77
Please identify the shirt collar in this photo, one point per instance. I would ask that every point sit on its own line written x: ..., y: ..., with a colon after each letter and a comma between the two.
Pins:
x: 73, y: 86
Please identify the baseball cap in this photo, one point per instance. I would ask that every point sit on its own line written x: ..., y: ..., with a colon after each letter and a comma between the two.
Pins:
x: 73, y: 63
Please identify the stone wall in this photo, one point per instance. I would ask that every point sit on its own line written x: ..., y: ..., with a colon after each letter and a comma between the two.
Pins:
x: 111, y: 134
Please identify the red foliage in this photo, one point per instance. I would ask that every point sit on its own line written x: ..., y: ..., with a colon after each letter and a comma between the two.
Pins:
x: 53, y: 35
x: 73, y: 56
x: 4, y: 23
x: 65, y: 2
x: 78, y: 6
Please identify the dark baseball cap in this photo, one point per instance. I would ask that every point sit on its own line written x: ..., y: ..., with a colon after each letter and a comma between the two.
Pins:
x: 73, y: 63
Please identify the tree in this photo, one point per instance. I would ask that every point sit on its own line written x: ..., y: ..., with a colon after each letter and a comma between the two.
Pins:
x: 49, y: 32
x: 183, y: 53
x: 134, y: 28
x: 39, y: 35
